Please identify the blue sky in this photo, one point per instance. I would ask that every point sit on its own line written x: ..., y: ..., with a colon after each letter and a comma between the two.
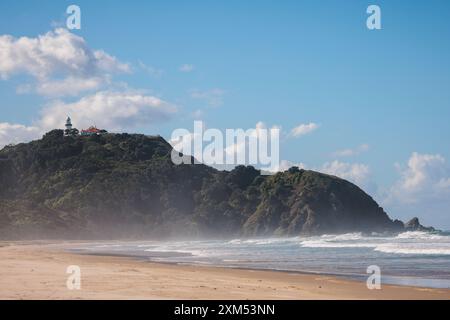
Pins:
x: 380, y: 98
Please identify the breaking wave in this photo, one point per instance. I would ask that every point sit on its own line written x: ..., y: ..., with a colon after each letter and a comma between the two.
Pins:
x: 412, y: 242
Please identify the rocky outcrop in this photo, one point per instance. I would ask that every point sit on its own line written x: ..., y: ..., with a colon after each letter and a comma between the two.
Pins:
x: 414, y: 225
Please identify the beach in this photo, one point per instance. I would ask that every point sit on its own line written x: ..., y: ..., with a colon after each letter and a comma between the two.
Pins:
x: 37, y: 270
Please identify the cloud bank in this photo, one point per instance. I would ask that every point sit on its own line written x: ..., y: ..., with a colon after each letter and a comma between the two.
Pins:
x: 60, y: 62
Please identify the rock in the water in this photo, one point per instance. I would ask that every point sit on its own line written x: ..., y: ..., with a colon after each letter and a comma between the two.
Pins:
x: 414, y: 225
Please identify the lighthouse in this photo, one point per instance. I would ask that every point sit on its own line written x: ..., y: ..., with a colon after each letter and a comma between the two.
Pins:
x: 68, y: 124
x: 70, y: 131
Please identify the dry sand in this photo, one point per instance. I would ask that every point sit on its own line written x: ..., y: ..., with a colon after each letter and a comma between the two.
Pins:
x: 38, y: 271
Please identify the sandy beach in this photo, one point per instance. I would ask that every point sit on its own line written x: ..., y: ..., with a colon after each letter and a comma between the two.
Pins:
x: 38, y: 271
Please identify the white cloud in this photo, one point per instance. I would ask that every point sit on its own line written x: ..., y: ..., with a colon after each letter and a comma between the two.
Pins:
x: 109, y: 110
x: 213, y: 97
x: 56, y: 52
x: 357, y: 173
x: 425, y: 177
x: 16, y: 133
x: 304, y: 129
x: 423, y: 190
x: 57, y: 56
x: 351, y: 152
x: 187, y: 68
x: 107, y: 63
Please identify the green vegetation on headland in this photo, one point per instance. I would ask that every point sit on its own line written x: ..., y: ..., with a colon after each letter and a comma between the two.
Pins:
x: 126, y: 186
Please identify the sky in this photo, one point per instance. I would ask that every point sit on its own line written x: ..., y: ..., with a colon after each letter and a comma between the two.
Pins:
x: 370, y: 106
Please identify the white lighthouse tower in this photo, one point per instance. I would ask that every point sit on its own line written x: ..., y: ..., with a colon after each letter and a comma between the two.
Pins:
x: 68, y: 124
x: 70, y: 131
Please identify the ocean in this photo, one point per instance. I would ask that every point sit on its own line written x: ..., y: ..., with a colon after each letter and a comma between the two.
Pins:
x: 410, y: 258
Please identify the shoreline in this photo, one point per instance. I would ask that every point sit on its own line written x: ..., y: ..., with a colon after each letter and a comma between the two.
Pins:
x: 395, y: 280
x: 181, y: 264
x: 38, y: 271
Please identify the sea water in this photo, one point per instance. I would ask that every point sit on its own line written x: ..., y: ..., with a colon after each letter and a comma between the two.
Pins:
x: 410, y: 258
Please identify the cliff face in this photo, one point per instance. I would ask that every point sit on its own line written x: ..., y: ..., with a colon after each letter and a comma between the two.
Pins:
x: 122, y: 185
